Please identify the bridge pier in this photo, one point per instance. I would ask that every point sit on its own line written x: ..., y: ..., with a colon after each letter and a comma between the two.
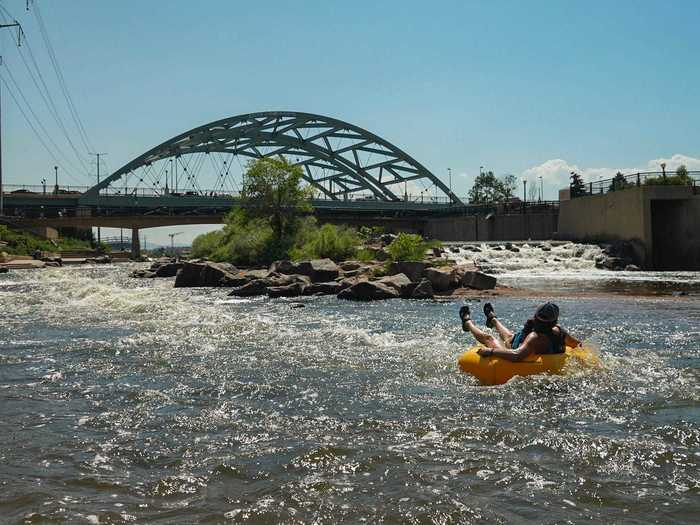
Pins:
x: 135, y: 244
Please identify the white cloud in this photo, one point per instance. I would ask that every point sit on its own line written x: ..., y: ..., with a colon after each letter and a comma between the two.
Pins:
x: 555, y: 173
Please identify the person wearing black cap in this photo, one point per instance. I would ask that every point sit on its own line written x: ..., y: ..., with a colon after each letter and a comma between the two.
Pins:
x: 540, y: 335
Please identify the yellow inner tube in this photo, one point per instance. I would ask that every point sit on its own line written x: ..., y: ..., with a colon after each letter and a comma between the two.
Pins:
x: 497, y: 371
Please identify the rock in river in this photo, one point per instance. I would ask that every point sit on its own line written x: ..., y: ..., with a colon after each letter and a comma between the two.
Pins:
x: 478, y: 281
x: 204, y: 273
x: 368, y: 291
x: 290, y: 290
x: 319, y: 270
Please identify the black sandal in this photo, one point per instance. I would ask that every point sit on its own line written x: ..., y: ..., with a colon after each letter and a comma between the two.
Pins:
x: 464, y: 313
x: 490, y: 314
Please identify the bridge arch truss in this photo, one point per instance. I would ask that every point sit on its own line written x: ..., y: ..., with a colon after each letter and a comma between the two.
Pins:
x: 339, y: 160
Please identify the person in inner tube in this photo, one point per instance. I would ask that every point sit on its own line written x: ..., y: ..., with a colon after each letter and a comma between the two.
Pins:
x: 540, y: 335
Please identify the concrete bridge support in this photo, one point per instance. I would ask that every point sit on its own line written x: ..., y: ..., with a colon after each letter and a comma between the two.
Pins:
x: 135, y: 244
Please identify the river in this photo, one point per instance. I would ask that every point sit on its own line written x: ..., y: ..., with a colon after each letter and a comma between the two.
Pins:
x: 125, y: 400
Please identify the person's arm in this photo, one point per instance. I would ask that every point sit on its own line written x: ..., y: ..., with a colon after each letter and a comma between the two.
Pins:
x: 516, y: 354
x: 569, y: 341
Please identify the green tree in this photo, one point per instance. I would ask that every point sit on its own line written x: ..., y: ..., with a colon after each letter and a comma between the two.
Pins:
x: 682, y: 172
x: 577, y: 186
x: 272, y: 191
x: 488, y: 188
x: 619, y: 182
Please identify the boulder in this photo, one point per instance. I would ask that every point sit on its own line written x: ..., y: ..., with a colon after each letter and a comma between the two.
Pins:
x: 478, y: 281
x: 259, y: 274
x: 422, y: 290
x: 290, y: 290
x: 511, y: 248
x: 204, y: 273
x: 318, y: 270
x: 277, y: 279
x: 329, y: 288
x: 350, y: 281
x: 398, y: 282
x: 610, y: 263
x: 284, y: 266
x: 3, y: 269
x: 411, y: 269
x: 349, y: 266
x: 632, y: 268
x: 256, y: 287
x: 168, y: 269
x: 442, y: 279
x: 238, y: 279
x: 368, y: 291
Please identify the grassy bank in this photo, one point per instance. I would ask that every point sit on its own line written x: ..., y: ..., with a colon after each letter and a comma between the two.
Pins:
x: 24, y: 243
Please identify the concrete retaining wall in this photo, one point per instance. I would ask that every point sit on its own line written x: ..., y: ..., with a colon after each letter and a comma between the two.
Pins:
x: 515, y: 227
x: 660, y: 221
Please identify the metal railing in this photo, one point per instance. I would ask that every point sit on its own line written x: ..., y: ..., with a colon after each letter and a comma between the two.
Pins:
x: 634, y: 180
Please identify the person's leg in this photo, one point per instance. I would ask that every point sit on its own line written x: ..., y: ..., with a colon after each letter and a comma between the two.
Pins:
x: 493, y: 322
x: 484, y: 338
x: 505, y: 334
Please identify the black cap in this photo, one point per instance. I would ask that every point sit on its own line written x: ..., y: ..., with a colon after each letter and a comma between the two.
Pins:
x: 547, y: 313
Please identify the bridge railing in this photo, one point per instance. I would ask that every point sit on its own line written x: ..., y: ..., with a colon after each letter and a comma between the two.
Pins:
x: 634, y: 180
x: 48, y: 191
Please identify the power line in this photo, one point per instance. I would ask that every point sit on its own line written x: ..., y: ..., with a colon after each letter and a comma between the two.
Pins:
x: 29, y: 122
x: 46, y: 96
x: 61, y: 80
x: 38, y: 121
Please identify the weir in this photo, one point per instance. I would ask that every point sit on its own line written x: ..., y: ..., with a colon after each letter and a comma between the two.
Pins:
x: 660, y: 222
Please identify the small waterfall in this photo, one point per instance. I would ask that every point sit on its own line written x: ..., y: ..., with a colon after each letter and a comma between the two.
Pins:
x: 531, y: 257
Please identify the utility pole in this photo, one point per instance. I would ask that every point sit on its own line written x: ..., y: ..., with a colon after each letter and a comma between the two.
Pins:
x: 172, y: 242
x: 98, y: 192
x: 19, y: 43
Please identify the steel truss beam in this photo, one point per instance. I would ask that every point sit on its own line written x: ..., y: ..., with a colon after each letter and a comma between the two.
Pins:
x: 341, y: 150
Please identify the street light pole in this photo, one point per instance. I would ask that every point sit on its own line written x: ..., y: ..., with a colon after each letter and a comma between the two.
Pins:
x: 55, y: 169
x: 98, y: 192
x: 449, y: 173
x: 541, y: 189
x: 524, y: 190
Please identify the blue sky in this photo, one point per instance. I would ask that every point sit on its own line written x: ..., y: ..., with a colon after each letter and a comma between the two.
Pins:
x: 529, y: 88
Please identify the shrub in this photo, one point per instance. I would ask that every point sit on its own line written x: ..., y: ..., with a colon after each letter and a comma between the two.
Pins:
x: 671, y: 180
x: 206, y: 244
x: 364, y: 255
x: 329, y: 241
x: 407, y: 247
x: 251, y: 245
